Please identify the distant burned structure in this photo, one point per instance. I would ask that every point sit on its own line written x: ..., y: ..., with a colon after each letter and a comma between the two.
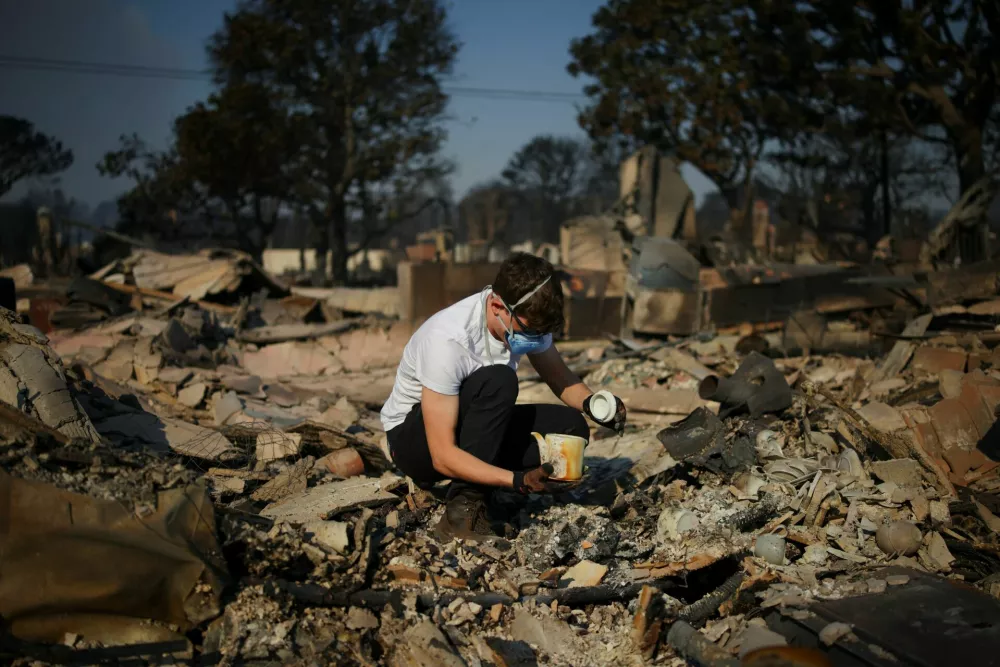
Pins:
x: 655, y: 198
x: 20, y: 234
x: 495, y: 217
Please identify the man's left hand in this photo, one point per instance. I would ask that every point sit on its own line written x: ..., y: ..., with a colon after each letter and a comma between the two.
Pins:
x: 617, y: 420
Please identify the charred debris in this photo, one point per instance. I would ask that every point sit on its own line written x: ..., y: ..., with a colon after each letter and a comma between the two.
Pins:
x: 195, y: 473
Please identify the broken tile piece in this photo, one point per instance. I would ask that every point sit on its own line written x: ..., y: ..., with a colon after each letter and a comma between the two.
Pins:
x: 495, y: 612
x: 935, y: 553
x: 921, y: 507
x: 940, y: 514
x: 281, y: 396
x: 584, y: 573
x: 901, y: 472
x: 824, y: 440
x: 936, y: 359
x: 989, y: 518
x: 317, y: 502
x: 425, y: 644
x: 331, y: 534
x: 226, y: 405
x: 147, y: 360
x: 877, y: 585
x: 173, y: 375
x: 229, y: 484
x: 243, y: 384
x: 413, y: 575
x: 119, y: 365
x: 833, y: 632
x: 287, y: 359
x: 192, y: 395
x: 359, y: 618
x: 548, y: 633
x: 882, y: 417
x: 816, y: 554
x: 341, y: 416
x: 950, y: 383
x: 885, y: 387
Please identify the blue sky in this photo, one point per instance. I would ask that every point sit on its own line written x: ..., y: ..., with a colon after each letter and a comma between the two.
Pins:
x: 520, y: 44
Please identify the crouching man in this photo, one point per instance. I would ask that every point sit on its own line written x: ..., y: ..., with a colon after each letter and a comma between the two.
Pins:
x: 452, y: 412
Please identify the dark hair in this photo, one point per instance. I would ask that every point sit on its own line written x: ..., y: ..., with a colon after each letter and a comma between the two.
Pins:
x: 519, y: 274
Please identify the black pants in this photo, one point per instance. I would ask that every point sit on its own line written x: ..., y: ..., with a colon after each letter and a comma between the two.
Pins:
x: 490, y: 427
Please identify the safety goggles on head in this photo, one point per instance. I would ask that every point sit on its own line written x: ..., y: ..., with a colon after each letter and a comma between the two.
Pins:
x: 525, y: 330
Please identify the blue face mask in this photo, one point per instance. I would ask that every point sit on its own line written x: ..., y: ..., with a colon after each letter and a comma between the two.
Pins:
x: 519, y: 342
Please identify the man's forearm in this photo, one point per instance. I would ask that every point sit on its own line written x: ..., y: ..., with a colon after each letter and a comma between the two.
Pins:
x: 575, y: 394
x: 440, y: 419
x: 563, y: 382
x: 460, y: 464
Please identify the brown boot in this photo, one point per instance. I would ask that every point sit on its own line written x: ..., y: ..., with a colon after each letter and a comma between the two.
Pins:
x: 465, y: 517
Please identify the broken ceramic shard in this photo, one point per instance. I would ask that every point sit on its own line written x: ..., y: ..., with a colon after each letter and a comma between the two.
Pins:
x: 769, y: 445
x: 674, y: 523
x: 331, y: 534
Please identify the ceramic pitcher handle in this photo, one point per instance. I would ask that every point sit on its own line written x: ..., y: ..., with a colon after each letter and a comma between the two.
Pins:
x: 541, y: 441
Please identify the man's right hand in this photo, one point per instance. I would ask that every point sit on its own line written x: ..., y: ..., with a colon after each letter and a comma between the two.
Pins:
x: 533, y: 481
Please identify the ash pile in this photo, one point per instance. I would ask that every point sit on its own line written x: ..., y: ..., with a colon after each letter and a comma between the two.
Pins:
x: 195, y: 473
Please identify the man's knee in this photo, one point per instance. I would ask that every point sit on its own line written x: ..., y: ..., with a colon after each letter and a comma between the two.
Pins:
x: 496, y: 381
x: 561, y: 419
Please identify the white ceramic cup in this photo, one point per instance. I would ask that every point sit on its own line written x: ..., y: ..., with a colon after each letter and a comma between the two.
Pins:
x: 603, y: 405
x: 771, y: 548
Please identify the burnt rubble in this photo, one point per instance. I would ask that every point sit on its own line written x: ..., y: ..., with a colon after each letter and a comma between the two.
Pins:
x: 761, y: 502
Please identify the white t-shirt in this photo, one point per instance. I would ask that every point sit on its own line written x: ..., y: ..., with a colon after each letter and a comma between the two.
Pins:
x: 445, y: 350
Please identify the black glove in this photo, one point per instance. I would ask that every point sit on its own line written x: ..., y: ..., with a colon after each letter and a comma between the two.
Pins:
x: 533, y: 481
x: 617, y: 421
